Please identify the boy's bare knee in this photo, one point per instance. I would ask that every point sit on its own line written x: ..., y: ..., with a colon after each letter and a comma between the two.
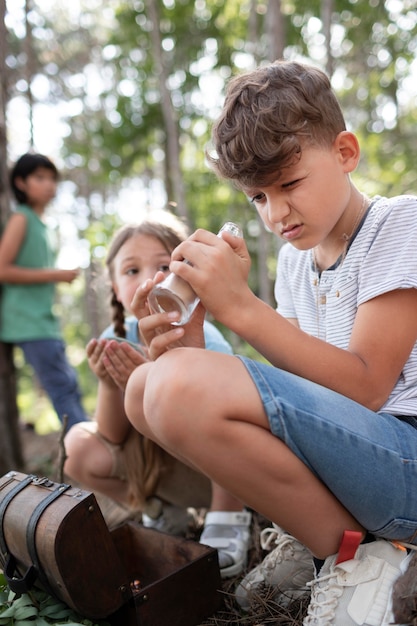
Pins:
x: 134, y: 392
x: 167, y: 390
x: 168, y: 378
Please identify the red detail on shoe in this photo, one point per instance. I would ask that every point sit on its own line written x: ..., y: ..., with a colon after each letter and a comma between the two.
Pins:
x: 350, y: 543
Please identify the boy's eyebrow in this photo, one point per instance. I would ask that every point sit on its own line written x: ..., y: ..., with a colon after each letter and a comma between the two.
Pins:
x: 249, y: 191
x: 250, y: 195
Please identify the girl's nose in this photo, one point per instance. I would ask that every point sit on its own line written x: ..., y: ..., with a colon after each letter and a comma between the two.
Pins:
x: 145, y: 274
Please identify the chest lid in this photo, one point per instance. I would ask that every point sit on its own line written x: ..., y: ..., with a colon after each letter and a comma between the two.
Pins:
x: 54, y: 536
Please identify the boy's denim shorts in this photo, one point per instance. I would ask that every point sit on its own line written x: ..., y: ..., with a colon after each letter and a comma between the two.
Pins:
x: 368, y: 460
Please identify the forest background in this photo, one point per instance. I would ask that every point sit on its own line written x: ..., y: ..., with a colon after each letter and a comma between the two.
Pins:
x: 121, y: 94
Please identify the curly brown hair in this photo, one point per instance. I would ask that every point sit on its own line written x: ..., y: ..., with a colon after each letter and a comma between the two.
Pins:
x: 268, y: 116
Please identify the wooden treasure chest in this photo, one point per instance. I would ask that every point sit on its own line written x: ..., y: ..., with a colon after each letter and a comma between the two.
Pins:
x: 54, y: 536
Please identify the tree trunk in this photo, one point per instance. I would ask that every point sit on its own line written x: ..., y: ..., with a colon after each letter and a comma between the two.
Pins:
x: 10, y: 444
x: 29, y: 72
x: 169, y: 115
x: 275, y: 30
x: 326, y: 18
x: 10, y: 447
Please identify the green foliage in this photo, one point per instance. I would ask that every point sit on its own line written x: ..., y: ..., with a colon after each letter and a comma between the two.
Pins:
x: 37, y: 608
x: 106, y: 68
x: 373, y: 45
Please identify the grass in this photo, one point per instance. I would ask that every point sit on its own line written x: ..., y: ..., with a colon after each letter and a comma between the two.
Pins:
x: 264, y: 610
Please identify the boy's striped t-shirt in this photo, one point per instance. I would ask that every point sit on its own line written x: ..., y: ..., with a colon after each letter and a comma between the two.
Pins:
x: 382, y: 257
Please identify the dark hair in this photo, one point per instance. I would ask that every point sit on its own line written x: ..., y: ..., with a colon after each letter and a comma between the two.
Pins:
x: 167, y: 228
x: 268, y: 116
x: 24, y: 167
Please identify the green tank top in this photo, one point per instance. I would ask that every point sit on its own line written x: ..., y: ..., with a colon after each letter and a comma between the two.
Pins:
x: 27, y: 310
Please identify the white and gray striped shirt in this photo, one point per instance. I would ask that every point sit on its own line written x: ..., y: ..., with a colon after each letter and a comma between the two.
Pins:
x: 382, y: 257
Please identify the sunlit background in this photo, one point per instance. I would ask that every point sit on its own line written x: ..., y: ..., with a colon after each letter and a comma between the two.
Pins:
x: 86, y: 90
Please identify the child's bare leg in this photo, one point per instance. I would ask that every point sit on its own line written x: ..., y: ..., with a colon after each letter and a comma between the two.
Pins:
x: 203, y: 406
x: 90, y: 463
x: 222, y: 500
x: 227, y: 524
x: 134, y: 399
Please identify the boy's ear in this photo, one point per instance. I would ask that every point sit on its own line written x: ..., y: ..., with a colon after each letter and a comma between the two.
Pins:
x: 347, y: 146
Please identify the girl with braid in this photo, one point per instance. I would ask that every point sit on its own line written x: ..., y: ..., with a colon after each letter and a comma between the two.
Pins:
x: 107, y: 455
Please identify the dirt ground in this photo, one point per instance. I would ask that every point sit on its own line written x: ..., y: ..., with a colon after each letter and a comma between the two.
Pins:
x: 41, y: 453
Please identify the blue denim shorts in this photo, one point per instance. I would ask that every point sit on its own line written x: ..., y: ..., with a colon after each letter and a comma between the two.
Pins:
x: 368, y: 460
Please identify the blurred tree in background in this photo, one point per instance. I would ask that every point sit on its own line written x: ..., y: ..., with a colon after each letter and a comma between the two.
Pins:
x: 137, y: 84
x: 10, y: 450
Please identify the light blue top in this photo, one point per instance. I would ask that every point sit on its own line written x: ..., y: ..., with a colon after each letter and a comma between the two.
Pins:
x: 213, y: 337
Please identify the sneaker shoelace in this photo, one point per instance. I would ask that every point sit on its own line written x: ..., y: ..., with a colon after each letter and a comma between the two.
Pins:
x: 268, y: 537
x: 325, y: 594
x: 281, y: 545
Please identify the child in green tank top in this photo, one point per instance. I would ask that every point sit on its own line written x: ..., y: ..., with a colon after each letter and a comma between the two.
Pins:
x: 28, y: 277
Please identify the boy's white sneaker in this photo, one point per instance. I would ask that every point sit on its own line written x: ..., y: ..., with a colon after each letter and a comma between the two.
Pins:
x: 357, y: 591
x: 282, y: 575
